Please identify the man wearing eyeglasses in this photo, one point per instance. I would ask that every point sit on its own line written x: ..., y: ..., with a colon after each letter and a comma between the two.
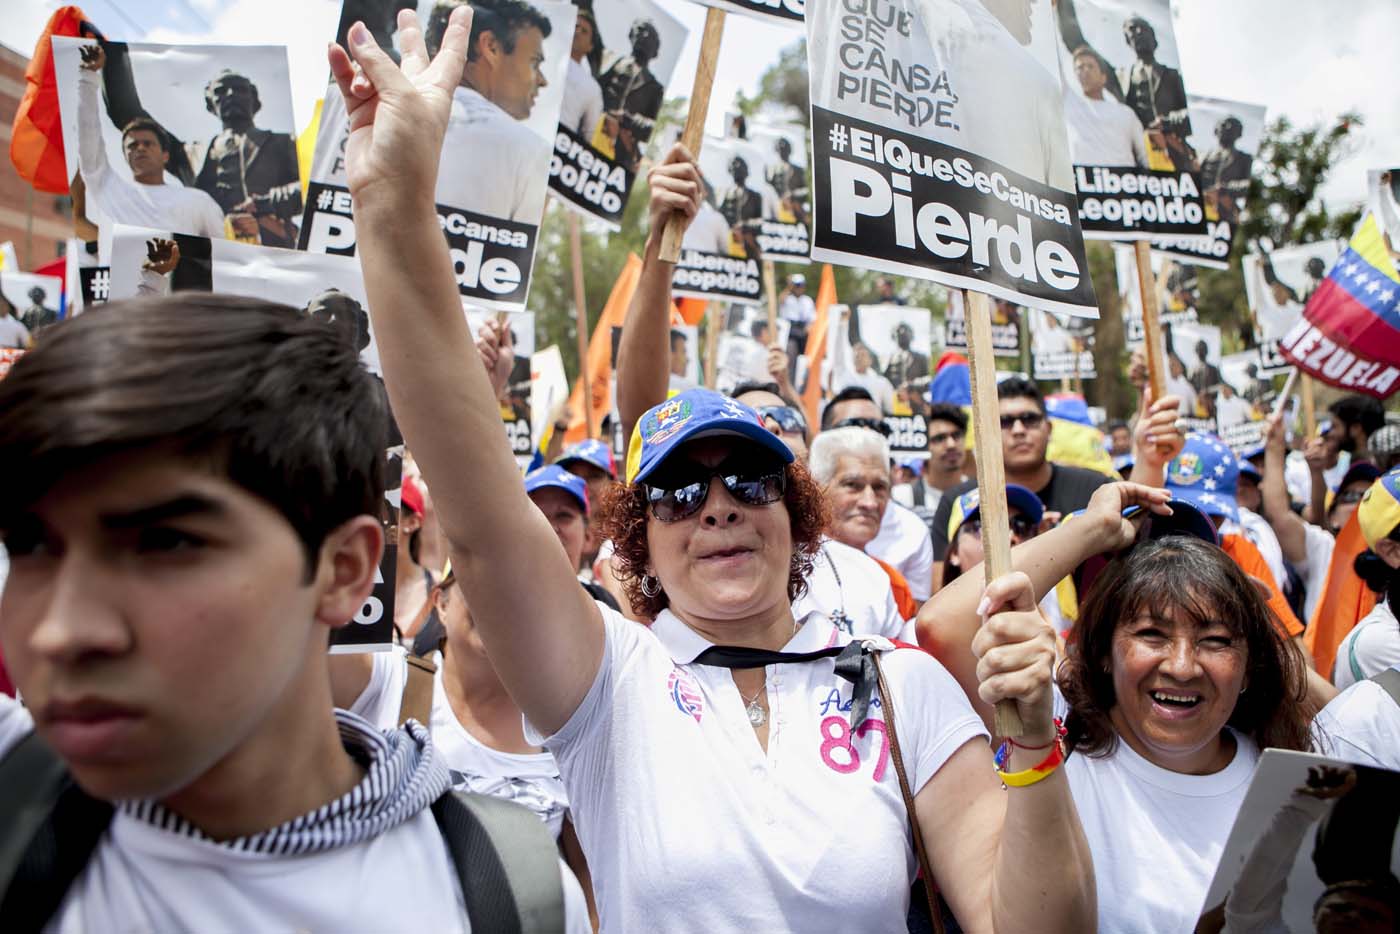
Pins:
x: 1025, y: 438
x: 947, y: 453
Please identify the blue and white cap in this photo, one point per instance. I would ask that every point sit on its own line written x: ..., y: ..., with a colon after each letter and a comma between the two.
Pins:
x: 558, y: 477
x: 691, y: 414
x: 1204, y: 474
x: 592, y: 452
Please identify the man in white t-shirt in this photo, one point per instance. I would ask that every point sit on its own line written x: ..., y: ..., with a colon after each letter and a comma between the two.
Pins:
x: 176, y: 570
x: 500, y: 82
x: 146, y: 200
x: 1102, y: 129
x: 13, y: 334
x: 582, y: 109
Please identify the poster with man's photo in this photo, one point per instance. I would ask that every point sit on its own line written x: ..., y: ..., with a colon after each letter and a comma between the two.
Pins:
x: 720, y: 254
x: 939, y: 149
x: 516, y: 393
x: 1178, y: 291
x: 620, y: 60
x: 783, y: 230
x: 1383, y: 200
x: 1006, y: 326
x: 331, y: 290
x: 885, y: 349
x: 785, y: 12
x: 1313, y: 848
x: 196, y: 139
x: 1277, y: 285
x: 36, y: 303
x: 1061, y: 347
x: 494, y: 169
x: 1225, y: 137
x: 1194, y: 372
x: 1129, y: 120
x: 741, y: 352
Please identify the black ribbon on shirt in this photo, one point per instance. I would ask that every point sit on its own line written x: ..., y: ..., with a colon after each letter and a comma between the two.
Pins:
x: 854, y: 661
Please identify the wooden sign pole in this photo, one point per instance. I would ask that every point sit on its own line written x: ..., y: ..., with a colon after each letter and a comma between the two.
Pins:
x: 1309, y: 407
x: 991, y: 472
x: 1151, y: 321
x: 581, y: 325
x: 712, y: 326
x: 694, y: 132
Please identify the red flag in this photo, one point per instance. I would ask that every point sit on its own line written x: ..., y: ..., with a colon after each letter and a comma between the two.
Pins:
x: 36, y: 140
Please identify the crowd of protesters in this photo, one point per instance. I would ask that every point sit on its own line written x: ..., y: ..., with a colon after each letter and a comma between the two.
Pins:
x: 737, y: 675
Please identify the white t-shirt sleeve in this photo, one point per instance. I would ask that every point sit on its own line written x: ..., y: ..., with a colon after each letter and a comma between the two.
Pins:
x: 1361, y: 725
x: 210, y: 217
x: 590, y: 728
x: 1370, y: 648
x: 92, y: 154
x: 382, y: 697
x: 15, y: 723
x: 932, y: 715
x: 918, y: 571
x: 1317, y: 558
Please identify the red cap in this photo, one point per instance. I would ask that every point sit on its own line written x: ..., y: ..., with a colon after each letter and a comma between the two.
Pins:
x: 412, y: 496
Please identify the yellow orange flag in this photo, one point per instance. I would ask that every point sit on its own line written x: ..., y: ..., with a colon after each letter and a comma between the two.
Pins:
x: 599, y: 365
x: 1345, y: 600
x: 816, y: 347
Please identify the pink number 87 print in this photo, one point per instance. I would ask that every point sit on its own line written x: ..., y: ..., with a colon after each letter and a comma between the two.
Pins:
x: 836, y: 736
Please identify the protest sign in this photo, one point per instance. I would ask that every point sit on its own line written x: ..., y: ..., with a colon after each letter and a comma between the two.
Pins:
x: 719, y: 256
x: 1349, y: 335
x: 781, y: 152
x: 193, y: 139
x: 1225, y: 136
x: 494, y: 168
x: 939, y: 149
x: 1128, y: 119
x: 1006, y: 326
x: 35, y: 300
x: 549, y: 387
x: 9, y: 259
x: 1061, y: 347
x: 882, y: 349
x: 514, y: 400
x: 742, y: 353
x: 787, y: 12
x: 1312, y: 849
x: 1278, y: 284
x: 622, y: 56
x: 1176, y: 288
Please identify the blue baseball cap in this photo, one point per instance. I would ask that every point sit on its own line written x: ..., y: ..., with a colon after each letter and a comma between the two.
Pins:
x: 969, y: 504
x: 694, y: 413
x: 592, y: 452
x: 556, y: 476
x: 1204, y: 475
x: 1184, y: 520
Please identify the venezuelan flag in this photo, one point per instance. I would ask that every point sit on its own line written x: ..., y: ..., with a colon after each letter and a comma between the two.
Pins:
x: 1358, y: 304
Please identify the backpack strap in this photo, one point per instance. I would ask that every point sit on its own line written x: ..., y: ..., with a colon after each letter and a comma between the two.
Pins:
x: 1389, y: 680
x: 51, y: 829
x: 506, y: 861
x: 417, y: 700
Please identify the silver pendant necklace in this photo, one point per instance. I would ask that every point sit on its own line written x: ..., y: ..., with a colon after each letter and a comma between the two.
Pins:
x: 757, y: 715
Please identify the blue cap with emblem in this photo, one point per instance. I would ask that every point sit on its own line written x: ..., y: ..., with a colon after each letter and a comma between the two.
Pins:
x: 592, y: 452
x: 692, y: 414
x: 970, y: 503
x: 1204, y: 474
x: 556, y: 476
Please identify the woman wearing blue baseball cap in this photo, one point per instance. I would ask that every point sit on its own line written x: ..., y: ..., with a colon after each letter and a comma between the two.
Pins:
x: 729, y: 766
x: 965, y: 527
x: 1174, y: 679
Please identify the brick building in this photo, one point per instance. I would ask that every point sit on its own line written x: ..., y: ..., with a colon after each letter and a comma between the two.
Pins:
x: 38, y: 222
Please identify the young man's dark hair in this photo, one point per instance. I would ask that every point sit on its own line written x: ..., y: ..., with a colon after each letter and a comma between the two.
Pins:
x: 136, y: 124
x: 846, y: 395
x: 677, y: 338
x: 266, y: 394
x: 943, y: 412
x: 505, y: 19
x: 1364, y: 411
x: 1018, y: 387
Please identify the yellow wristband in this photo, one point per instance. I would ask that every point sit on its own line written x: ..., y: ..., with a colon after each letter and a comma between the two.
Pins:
x: 1033, y: 774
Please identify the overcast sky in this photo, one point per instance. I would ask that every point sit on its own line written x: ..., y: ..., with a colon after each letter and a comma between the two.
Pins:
x: 1302, y: 58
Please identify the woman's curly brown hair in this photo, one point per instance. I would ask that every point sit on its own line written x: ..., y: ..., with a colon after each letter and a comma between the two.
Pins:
x: 1204, y: 584
x: 623, y: 515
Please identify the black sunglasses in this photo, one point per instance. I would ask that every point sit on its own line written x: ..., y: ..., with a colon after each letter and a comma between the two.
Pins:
x: 1021, y: 526
x: 872, y: 423
x: 681, y: 497
x: 787, y: 418
x: 1031, y: 420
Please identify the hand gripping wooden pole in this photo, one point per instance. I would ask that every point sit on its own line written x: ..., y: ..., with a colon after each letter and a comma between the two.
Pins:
x: 991, y: 473
x: 694, y: 131
x: 581, y: 308
x: 1151, y: 321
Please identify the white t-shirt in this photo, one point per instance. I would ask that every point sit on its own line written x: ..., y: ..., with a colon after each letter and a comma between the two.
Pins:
x: 1312, y: 569
x: 1298, y: 477
x: 528, y: 779
x: 1361, y: 725
x: 708, y: 231
x: 160, y: 875
x: 1102, y: 132
x: 689, y: 826
x: 1370, y: 648
x: 846, y: 584
x: 1232, y: 411
x: 799, y: 309
x: 903, y: 541
x: 1156, y: 836
x: 492, y: 163
x: 13, y: 333
x: 582, y: 109
x: 114, y: 198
